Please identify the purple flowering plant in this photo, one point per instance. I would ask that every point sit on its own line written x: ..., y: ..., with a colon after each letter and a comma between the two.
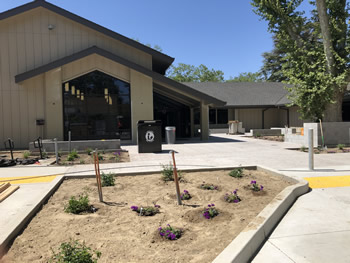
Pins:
x: 146, y: 210
x: 232, y: 197
x: 207, y: 186
x: 210, y: 212
x: 117, y: 156
x: 255, y: 186
x: 170, y: 232
x: 185, y: 195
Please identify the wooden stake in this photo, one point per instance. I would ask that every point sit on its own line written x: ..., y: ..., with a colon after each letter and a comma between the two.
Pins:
x: 98, y: 176
x: 176, y: 180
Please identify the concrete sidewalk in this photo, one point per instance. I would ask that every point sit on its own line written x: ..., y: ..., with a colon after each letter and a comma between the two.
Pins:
x: 318, y: 214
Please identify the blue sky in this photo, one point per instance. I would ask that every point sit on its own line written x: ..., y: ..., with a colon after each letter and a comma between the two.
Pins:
x: 221, y: 34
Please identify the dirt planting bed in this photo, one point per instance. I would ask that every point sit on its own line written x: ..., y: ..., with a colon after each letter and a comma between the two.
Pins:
x: 123, y: 236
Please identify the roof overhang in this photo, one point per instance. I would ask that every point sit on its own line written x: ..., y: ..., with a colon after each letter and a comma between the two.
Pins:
x: 160, y: 61
x: 157, y: 78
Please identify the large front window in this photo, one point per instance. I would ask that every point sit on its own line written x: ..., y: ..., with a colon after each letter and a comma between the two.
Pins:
x: 97, y: 106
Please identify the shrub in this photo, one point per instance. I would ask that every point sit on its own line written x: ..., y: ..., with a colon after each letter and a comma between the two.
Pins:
x: 88, y: 151
x: 232, y: 197
x: 168, y: 173
x: 82, y: 162
x: 303, y: 149
x: 257, y: 135
x: 77, y: 206
x: 100, y: 156
x: 170, y: 232
x: 74, y: 154
x: 74, y: 252
x: 26, y: 154
x: 108, y: 179
x: 341, y: 146
x: 210, y: 212
x: 70, y: 158
x: 206, y: 186
x: 236, y: 173
x: 255, y: 186
x: 146, y: 210
x: 117, y: 156
x: 185, y: 195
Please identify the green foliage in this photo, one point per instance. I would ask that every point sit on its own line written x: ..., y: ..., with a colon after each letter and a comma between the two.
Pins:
x: 168, y: 173
x: 108, y: 179
x: 236, y: 173
x: 319, y: 78
x: 189, y: 73
x: 145, y: 210
x: 100, y: 156
x: 247, y: 77
x: 26, y: 154
x: 77, y: 206
x: 72, y: 156
x: 82, y: 162
x: 74, y: 252
x: 303, y: 149
x: 341, y: 146
x: 257, y: 135
x: 206, y: 186
x: 89, y: 151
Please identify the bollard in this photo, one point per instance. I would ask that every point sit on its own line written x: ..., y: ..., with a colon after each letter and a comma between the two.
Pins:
x: 69, y: 141
x: 311, y: 149
x: 56, y: 150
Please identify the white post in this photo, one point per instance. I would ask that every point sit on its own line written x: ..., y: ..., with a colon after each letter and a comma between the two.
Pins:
x: 56, y: 150
x: 311, y: 149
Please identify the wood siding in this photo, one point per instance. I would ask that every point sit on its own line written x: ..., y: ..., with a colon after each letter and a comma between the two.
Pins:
x: 27, y: 43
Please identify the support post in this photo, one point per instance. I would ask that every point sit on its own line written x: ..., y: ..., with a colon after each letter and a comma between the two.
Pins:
x: 204, y: 122
x: 311, y: 149
x: 176, y: 179
x: 56, y: 150
x: 192, y: 122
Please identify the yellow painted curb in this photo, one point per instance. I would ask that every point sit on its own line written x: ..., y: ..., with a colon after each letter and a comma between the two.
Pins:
x: 328, y: 181
x: 28, y: 179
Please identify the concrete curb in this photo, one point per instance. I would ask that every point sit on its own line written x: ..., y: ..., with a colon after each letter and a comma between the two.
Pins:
x: 244, y: 247
x: 28, y: 214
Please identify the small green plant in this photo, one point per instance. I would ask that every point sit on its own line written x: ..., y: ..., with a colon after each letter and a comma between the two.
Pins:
x: 168, y: 173
x: 232, y: 197
x: 341, y: 146
x: 207, y: 186
x: 80, y: 205
x: 236, y: 173
x: 88, y: 151
x: 74, y: 252
x: 170, y: 232
x: 74, y: 154
x: 26, y: 154
x: 255, y: 186
x: 82, y: 162
x: 108, y: 179
x: 185, y: 195
x: 257, y: 135
x: 210, y: 212
x: 146, y: 210
x: 44, y: 154
x: 59, y: 153
x: 117, y: 156
x: 100, y: 156
x: 70, y: 158
x: 303, y: 149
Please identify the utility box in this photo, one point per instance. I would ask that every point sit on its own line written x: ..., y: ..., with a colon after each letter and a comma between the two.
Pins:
x: 149, y: 136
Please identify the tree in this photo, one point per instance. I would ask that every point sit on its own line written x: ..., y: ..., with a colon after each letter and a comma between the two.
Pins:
x: 247, y: 77
x: 316, y: 57
x: 189, y: 73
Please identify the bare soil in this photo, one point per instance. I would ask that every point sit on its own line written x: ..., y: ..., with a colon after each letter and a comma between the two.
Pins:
x: 105, y: 157
x: 123, y: 236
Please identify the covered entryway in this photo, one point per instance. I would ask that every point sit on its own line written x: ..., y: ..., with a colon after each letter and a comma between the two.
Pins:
x: 172, y: 113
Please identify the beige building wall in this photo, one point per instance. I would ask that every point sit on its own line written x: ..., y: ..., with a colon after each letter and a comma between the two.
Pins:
x: 141, y: 100
x: 27, y: 43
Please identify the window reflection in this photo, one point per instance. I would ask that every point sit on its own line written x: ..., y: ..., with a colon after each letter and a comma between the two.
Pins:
x: 97, y: 106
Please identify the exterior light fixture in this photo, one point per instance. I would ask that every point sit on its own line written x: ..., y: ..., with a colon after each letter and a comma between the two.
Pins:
x: 66, y: 87
x: 50, y: 27
x: 82, y: 96
x: 110, y: 101
x: 73, y: 90
x: 78, y: 93
x: 106, y: 94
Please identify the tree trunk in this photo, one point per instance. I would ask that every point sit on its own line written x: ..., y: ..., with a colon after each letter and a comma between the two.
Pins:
x: 334, y: 111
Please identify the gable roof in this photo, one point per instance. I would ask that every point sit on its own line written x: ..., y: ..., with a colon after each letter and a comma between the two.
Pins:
x: 160, y: 61
x: 245, y: 94
x: 96, y: 50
